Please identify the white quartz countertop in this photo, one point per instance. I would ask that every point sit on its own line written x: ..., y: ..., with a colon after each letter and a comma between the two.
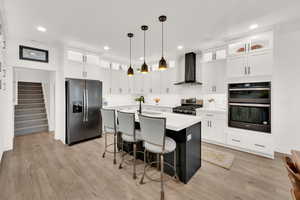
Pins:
x: 174, y: 122
x: 143, y: 105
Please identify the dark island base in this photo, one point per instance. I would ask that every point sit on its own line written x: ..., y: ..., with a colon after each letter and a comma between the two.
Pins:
x: 188, y: 151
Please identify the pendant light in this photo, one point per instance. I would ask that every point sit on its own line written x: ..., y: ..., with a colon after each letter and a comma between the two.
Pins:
x: 130, y: 71
x: 144, y: 68
x: 162, y: 65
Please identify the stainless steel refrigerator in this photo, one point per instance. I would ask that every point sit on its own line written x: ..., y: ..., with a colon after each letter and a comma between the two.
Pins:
x: 83, y: 104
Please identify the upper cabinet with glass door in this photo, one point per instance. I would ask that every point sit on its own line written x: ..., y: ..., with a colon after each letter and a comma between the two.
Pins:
x: 252, y: 44
x: 214, y: 54
x: 261, y: 42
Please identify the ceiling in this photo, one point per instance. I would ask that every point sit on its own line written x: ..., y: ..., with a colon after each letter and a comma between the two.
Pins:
x: 93, y: 24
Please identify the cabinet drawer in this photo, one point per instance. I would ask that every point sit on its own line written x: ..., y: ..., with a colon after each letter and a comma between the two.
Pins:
x: 211, y: 115
x: 260, y: 143
x: 235, y: 139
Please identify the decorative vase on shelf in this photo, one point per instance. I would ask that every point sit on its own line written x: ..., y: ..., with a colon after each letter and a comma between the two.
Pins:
x: 157, y: 100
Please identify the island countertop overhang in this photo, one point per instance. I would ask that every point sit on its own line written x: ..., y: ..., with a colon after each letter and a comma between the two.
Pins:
x: 174, y: 121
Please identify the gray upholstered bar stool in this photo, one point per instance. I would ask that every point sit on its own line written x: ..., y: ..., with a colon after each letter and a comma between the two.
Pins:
x: 129, y: 134
x: 110, y: 127
x: 153, y: 132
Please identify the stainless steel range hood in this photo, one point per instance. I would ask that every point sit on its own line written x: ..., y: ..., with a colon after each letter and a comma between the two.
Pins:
x: 190, y: 70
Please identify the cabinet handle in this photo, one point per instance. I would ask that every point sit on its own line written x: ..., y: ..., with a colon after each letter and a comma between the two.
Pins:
x: 234, y: 140
x: 249, y: 47
x: 249, y: 72
x: 207, y: 123
x: 209, y: 115
x: 245, y: 72
x: 210, y: 124
x: 259, y: 145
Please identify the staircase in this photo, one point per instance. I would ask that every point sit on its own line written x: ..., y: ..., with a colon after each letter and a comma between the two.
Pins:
x: 30, y: 113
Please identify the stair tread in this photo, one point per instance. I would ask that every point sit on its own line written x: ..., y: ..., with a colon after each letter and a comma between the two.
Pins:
x: 30, y: 99
x: 24, y: 109
x: 26, y: 115
x: 26, y: 104
x: 30, y: 120
x: 28, y: 127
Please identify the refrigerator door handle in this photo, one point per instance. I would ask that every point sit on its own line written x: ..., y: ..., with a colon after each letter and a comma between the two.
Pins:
x: 84, y: 106
x: 87, y: 105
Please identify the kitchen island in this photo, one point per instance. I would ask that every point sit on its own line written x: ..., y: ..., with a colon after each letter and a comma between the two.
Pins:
x: 186, y: 131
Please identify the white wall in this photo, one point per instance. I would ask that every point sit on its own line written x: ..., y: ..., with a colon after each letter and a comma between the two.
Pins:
x: 286, y: 87
x: 13, y: 55
x: 6, y: 106
x: 7, y: 100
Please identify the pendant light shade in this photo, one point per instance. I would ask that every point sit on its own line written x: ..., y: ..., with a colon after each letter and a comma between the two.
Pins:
x: 162, y: 65
x: 144, y: 67
x: 130, y: 71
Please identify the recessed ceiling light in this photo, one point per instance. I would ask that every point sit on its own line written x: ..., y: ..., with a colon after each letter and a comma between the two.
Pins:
x: 106, y: 48
x: 253, y: 26
x: 179, y: 47
x: 41, y: 29
x: 141, y: 58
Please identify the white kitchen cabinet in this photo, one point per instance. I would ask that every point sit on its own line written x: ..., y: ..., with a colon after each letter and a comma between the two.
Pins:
x: 104, y: 76
x: 168, y: 78
x: 238, y: 48
x: 147, y: 83
x: 123, y: 82
x: 260, y: 63
x: 131, y: 84
x: 214, y: 54
x: 214, y: 77
x: 213, y: 126
x: 73, y: 69
x: 91, y: 72
x: 254, y: 64
x: 252, y: 141
x: 79, y: 64
x: 236, y: 66
x: 155, y: 80
x: 138, y: 83
x: 261, y: 42
x: 236, y: 139
x: 115, y: 81
x: 252, y: 56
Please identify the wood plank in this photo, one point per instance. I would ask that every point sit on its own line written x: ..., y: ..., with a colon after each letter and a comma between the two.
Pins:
x: 41, y: 167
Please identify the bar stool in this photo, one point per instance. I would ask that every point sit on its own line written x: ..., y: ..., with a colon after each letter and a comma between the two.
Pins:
x: 153, y: 130
x: 110, y: 127
x: 129, y: 134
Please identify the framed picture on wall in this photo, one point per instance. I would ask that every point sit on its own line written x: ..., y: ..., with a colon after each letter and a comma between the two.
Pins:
x: 33, y: 54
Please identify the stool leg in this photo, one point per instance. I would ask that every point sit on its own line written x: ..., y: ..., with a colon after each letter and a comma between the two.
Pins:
x: 123, y: 155
x: 115, y: 147
x: 162, y: 193
x: 105, y: 144
x: 134, y: 160
x: 145, y: 163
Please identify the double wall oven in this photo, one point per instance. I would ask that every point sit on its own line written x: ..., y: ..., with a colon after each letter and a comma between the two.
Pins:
x: 250, y: 106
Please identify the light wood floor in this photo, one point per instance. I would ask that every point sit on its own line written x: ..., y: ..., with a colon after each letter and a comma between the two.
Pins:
x: 41, y: 168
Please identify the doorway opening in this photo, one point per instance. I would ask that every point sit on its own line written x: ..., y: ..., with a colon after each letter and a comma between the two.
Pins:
x: 34, y: 101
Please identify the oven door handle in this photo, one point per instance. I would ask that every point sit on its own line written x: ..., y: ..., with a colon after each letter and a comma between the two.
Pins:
x: 250, y: 105
x: 249, y: 89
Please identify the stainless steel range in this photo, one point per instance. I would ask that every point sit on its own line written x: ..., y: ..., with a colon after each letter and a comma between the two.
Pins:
x: 188, y: 106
